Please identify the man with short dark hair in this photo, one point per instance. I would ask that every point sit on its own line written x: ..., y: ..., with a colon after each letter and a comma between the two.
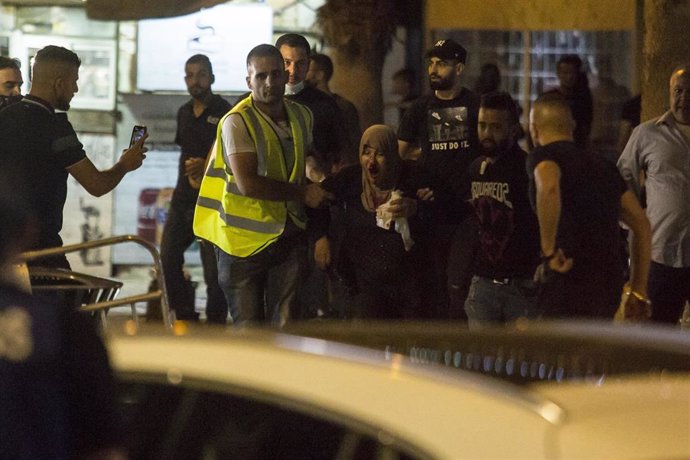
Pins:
x: 660, y: 148
x: 440, y: 130
x: 329, y: 136
x: 197, y: 123
x: 404, y: 87
x: 502, y: 287
x: 40, y: 147
x: 328, y: 148
x: 10, y: 81
x: 10, y: 77
x: 252, y: 199
x: 579, y: 199
x: 573, y: 86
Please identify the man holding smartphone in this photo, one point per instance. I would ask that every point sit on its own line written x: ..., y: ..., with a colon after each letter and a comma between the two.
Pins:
x: 40, y: 148
x: 197, y: 121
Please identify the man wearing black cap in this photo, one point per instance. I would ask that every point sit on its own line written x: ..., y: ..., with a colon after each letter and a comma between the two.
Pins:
x: 440, y: 130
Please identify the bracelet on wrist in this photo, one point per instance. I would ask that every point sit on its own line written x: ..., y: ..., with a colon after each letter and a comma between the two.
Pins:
x: 638, y: 296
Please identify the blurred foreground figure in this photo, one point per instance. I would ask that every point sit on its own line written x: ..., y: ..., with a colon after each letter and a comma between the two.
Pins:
x: 56, y: 387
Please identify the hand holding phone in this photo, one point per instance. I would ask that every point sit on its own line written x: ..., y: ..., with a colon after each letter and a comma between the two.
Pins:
x: 137, y: 133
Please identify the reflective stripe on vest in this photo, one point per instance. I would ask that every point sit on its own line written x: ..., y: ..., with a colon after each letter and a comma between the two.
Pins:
x: 239, y: 225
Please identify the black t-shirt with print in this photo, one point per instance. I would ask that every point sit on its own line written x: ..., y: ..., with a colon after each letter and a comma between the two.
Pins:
x: 446, y: 131
x: 508, y: 228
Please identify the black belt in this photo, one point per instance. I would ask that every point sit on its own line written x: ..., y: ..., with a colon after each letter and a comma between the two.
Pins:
x: 501, y: 281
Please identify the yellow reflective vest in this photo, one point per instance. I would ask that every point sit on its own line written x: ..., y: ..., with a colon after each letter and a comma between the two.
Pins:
x: 239, y: 225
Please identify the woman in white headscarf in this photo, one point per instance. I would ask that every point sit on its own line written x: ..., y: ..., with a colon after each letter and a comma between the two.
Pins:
x: 371, y: 197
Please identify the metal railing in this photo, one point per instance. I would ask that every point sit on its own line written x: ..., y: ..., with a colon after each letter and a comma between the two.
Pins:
x: 160, y: 293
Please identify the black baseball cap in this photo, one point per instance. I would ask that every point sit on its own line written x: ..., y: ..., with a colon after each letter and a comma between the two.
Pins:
x: 447, y: 49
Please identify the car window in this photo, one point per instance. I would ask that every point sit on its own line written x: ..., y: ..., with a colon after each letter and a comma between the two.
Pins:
x: 173, y: 422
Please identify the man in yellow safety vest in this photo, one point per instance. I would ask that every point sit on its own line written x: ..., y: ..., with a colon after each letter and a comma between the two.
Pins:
x: 252, y: 199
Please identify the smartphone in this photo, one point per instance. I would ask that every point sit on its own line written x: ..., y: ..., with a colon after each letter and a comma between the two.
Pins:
x: 137, y: 133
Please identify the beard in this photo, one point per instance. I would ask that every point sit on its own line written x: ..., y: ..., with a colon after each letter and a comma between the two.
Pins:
x: 441, y: 84
x: 198, y: 92
x: 490, y: 149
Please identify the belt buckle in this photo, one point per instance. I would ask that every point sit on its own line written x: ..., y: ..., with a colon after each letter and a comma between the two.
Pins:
x: 501, y: 281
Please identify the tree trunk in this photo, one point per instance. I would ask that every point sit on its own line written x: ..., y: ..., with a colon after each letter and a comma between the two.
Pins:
x: 666, y: 46
x: 358, y: 34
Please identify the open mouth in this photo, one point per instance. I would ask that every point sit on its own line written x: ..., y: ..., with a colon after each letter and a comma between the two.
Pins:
x: 373, y: 171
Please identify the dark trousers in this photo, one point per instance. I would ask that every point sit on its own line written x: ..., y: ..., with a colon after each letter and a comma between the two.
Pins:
x: 584, y: 292
x: 262, y: 288
x: 445, y: 281
x: 668, y: 289
x: 177, y: 237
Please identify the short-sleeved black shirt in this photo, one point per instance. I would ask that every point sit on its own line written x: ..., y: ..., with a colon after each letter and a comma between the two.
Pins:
x: 446, y: 131
x: 508, y: 228
x: 591, y: 190
x: 195, y: 136
x: 37, y: 147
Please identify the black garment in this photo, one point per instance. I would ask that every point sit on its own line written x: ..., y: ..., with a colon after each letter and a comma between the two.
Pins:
x: 582, y: 108
x: 195, y: 136
x: 405, y: 104
x: 632, y: 110
x: 57, y: 396
x: 588, y: 231
x: 668, y: 289
x: 329, y: 128
x: 353, y: 130
x: 38, y: 145
x: 446, y: 131
x: 384, y: 272
x: 508, y: 227
x: 6, y: 101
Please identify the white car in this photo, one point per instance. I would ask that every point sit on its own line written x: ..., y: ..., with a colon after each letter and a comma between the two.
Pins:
x: 413, y: 391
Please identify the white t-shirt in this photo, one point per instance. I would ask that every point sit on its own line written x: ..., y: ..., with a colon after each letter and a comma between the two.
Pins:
x: 236, y: 138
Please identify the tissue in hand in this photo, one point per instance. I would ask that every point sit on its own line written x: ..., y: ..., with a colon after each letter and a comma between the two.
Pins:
x: 384, y: 219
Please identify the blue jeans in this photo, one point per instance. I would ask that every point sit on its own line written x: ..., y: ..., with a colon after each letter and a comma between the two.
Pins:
x: 493, y: 301
x: 263, y: 287
x: 177, y: 237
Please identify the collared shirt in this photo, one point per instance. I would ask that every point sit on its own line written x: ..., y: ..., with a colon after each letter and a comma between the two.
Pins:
x: 195, y: 136
x: 660, y: 149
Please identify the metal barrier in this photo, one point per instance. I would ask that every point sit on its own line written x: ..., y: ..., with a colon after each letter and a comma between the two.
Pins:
x: 105, y: 300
